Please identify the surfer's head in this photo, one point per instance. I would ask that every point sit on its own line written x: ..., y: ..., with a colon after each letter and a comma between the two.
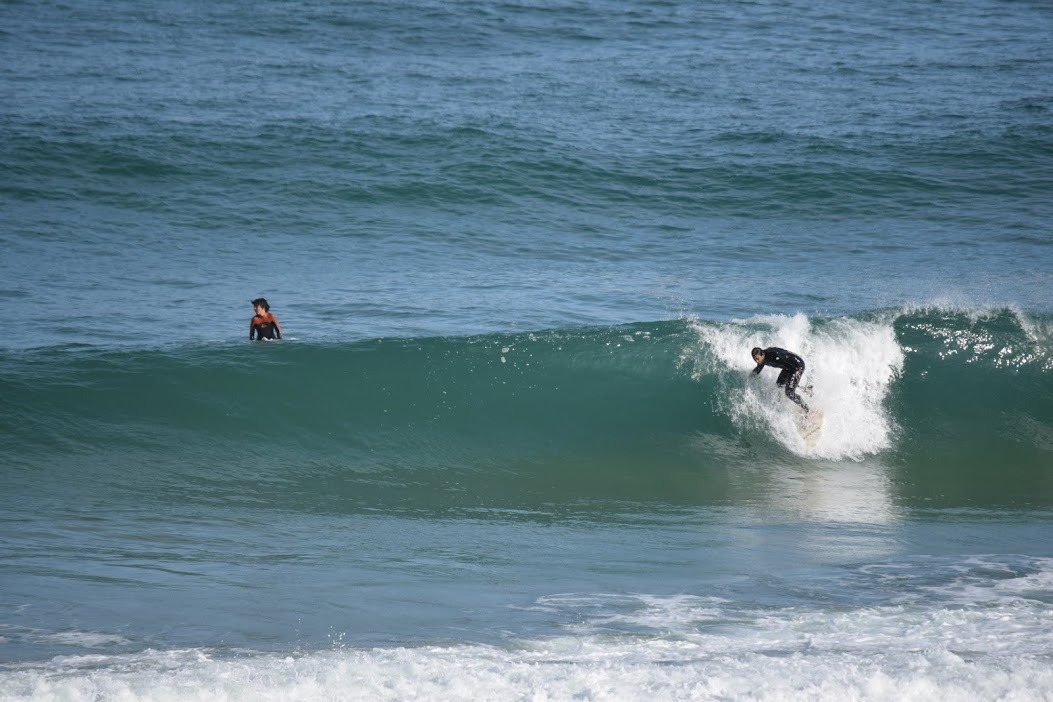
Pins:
x: 261, y: 302
x: 757, y: 353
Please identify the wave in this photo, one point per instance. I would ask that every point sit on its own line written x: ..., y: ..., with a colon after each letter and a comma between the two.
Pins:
x: 430, y: 162
x: 938, y: 392
x: 694, y: 652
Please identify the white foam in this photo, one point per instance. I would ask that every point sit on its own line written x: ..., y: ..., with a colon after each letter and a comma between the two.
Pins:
x: 851, y: 365
x: 1014, y: 586
x: 711, y: 626
x: 684, y: 648
x: 626, y: 646
x: 86, y: 639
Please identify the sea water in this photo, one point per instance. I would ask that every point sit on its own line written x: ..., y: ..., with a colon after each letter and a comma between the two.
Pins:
x: 510, y: 447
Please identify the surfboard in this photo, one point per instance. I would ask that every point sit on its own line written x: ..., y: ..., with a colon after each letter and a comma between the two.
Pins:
x: 810, y: 427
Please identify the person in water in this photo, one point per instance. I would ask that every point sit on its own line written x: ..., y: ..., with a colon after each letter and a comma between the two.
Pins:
x: 792, y: 368
x: 264, y: 325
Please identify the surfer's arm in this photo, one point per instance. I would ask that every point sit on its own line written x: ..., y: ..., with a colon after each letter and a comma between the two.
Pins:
x: 277, y: 327
x: 758, y: 369
x: 252, y: 328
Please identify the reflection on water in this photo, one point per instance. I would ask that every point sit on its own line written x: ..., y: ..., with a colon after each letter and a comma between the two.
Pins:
x: 834, y: 492
x: 849, y: 504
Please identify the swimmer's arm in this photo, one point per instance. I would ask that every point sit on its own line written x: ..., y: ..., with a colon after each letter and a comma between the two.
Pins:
x: 252, y: 328
x: 758, y: 369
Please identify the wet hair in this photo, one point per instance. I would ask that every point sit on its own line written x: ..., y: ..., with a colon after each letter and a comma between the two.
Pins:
x: 261, y: 302
x: 756, y: 350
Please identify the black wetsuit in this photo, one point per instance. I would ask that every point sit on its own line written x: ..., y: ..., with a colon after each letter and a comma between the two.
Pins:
x: 792, y: 367
x: 265, y: 330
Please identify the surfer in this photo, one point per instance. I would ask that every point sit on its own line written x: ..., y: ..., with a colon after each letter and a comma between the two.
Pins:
x: 792, y: 367
x: 264, y: 325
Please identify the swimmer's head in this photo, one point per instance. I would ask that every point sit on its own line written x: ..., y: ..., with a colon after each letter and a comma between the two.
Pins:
x: 261, y: 302
x: 757, y: 353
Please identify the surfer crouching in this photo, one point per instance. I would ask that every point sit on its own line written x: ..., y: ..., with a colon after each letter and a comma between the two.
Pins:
x: 264, y: 325
x: 792, y: 367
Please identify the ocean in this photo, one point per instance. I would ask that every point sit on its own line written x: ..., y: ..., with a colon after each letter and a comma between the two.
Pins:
x: 510, y: 447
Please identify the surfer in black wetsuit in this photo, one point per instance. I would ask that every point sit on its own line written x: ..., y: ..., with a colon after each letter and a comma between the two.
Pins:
x: 264, y: 325
x: 792, y: 367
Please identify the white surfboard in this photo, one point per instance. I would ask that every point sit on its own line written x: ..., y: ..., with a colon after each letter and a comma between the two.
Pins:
x: 810, y: 427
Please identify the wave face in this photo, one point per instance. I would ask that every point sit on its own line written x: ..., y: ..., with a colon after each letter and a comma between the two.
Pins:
x: 945, y: 398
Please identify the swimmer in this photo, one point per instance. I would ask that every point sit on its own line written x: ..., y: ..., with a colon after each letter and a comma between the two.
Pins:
x: 264, y: 325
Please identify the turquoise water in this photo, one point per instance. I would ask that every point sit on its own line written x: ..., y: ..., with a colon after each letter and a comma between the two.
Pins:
x: 510, y: 447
